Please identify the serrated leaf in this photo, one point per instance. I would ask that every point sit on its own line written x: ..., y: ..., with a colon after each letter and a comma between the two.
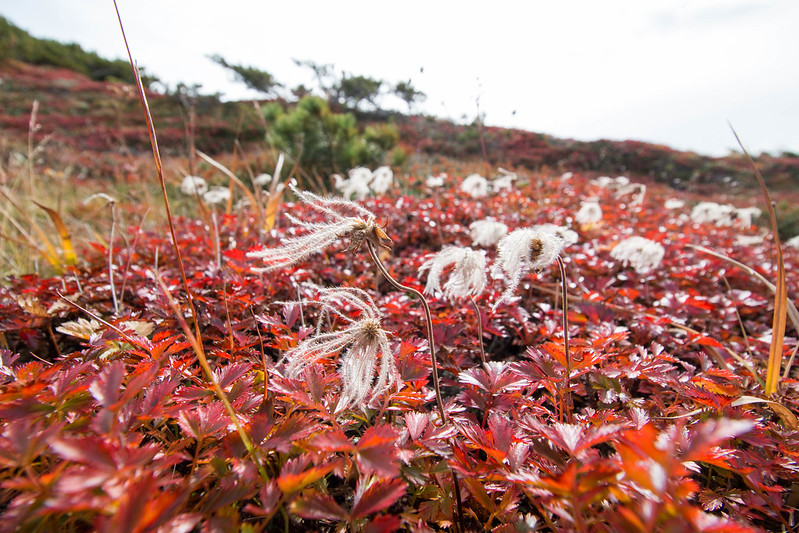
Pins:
x: 106, y: 389
x: 376, y: 452
x: 379, y: 495
x: 332, y: 441
x: 318, y: 506
x: 293, y: 477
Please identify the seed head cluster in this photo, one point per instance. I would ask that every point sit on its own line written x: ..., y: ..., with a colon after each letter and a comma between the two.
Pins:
x: 641, y: 253
x: 359, y: 345
x: 523, y: 250
x: 320, y: 235
x: 468, y: 276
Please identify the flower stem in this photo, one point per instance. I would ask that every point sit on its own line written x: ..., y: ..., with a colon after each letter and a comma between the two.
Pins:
x: 479, y: 329
x: 428, y: 319
x: 566, y: 353
x: 433, y: 362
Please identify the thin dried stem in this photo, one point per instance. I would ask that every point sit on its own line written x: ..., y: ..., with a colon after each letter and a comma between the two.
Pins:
x: 566, y: 353
x: 160, y: 170
x: 479, y: 329
x: 111, y: 258
x: 428, y: 319
x: 780, y: 294
x: 198, y: 350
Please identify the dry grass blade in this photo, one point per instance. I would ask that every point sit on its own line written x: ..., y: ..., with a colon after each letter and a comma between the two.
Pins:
x: 195, y: 339
x: 159, y: 167
x: 272, y: 207
x: 67, y: 250
x: 793, y: 312
x: 781, y: 293
x: 211, y: 161
x: 49, y: 252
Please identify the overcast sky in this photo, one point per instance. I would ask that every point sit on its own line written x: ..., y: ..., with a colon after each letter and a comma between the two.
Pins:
x: 669, y: 72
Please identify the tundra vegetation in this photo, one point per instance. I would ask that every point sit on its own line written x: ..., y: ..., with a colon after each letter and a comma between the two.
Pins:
x: 220, y: 334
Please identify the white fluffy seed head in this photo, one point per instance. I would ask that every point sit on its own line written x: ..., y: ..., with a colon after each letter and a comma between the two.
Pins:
x: 487, y: 232
x: 216, y: 195
x: 475, y: 186
x: 357, y: 185
x: 673, y: 203
x: 436, y: 181
x: 590, y: 213
x: 640, y: 253
x: 568, y: 236
x: 468, y: 276
x: 320, y: 235
x: 359, y: 345
x: 382, y: 180
x: 523, y: 250
x: 192, y: 185
x: 711, y: 212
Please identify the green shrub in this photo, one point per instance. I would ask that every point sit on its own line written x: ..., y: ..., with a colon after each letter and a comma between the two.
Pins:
x: 398, y: 157
x: 19, y: 45
x: 787, y: 220
x: 326, y: 142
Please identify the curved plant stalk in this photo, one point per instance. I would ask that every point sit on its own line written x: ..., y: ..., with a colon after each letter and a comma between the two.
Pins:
x: 780, y: 294
x: 566, y: 353
x: 194, y: 338
x: 428, y: 320
x: 479, y: 329
x: 160, y: 170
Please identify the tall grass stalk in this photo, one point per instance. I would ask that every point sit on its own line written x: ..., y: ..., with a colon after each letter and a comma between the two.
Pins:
x: 194, y: 338
x: 32, y: 127
x: 566, y: 353
x: 781, y: 293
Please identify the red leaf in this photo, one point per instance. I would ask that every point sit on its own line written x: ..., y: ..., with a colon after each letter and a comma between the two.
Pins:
x: 294, y: 427
x: 416, y: 422
x: 318, y: 506
x: 90, y: 450
x: 332, y: 441
x: 502, y: 431
x: 379, y: 495
x: 383, y: 524
x: 294, y: 477
x: 106, y: 388
x: 711, y: 433
x: 376, y: 453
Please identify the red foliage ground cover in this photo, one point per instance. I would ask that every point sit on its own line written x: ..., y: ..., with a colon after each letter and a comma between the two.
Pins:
x: 665, y: 429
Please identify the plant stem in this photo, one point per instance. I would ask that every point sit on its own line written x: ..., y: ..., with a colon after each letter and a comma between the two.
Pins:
x: 111, y: 259
x: 434, y: 363
x: 428, y: 319
x: 566, y: 353
x: 479, y: 329
x: 209, y: 373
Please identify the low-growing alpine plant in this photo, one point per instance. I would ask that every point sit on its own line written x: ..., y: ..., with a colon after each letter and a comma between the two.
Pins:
x: 609, y: 399
x: 363, y: 341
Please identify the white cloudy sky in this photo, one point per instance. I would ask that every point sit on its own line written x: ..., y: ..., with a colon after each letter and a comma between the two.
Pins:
x: 664, y: 71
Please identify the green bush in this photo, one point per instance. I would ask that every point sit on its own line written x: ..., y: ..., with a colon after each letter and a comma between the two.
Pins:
x: 19, y: 45
x: 326, y: 142
x: 787, y: 220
